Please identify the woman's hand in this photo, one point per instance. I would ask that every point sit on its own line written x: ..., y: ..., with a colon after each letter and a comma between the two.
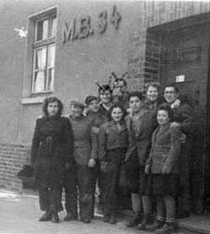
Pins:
x: 67, y: 166
x: 147, y: 169
x: 91, y: 162
x: 95, y: 130
x: 166, y: 170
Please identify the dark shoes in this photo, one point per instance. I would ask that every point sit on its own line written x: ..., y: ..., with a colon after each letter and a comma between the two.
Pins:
x: 135, y: 220
x: 106, y: 218
x: 46, y: 216
x: 55, y: 218
x: 69, y: 217
x: 167, y: 229
x: 85, y: 220
x: 183, y: 214
x: 147, y: 219
x: 112, y: 219
x: 156, y: 225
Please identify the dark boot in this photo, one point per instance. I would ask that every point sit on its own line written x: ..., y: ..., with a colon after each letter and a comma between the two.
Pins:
x: 167, y: 228
x: 55, y: 218
x: 106, y: 218
x: 156, y: 225
x: 46, y: 216
x: 136, y: 219
x: 70, y: 217
x: 147, y: 219
x: 86, y: 220
x: 112, y: 219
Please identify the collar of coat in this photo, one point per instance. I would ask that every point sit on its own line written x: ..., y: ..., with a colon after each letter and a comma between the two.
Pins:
x: 112, y: 124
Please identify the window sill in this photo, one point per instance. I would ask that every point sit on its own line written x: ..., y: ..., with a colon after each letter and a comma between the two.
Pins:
x: 33, y: 100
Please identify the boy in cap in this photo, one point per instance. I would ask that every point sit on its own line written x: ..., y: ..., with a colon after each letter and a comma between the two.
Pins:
x: 81, y: 126
x: 97, y: 119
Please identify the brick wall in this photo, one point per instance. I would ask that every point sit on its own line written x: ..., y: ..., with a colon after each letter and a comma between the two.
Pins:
x: 12, y: 159
x: 144, y: 55
x: 136, y: 60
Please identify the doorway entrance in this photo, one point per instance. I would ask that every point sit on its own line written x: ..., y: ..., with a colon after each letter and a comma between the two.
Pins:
x: 184, y: 60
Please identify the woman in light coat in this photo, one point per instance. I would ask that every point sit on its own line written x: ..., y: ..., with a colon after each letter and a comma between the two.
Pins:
x: 163, y: 164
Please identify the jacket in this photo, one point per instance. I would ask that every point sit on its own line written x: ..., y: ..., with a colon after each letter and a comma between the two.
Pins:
x: 110, y: 137
x: 142, y: 140
x: 165, y: 150
x: 82, y: 139
x: 96, y: 119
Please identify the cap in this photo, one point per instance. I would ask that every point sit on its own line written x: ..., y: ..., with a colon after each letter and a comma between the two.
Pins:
x: 89, y: 99
x: 77, y: 104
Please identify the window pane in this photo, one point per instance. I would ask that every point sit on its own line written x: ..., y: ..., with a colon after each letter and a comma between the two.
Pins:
x: 51, y: 56
x: 45, y: 29
x: 50, y: 79
x: 39, y: 81
x: 53, y: 27
x: 42, y: 29
x: 40, y: 62
x: 39, y: 30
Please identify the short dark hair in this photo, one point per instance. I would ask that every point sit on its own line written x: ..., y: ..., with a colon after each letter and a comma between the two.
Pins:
x: 119, y: 80
x: 104, y: 88
x: 137, y: 94
x: 167, y: 108
x: 50, y: 100
x: 173, y: 86
x: 117, y: 105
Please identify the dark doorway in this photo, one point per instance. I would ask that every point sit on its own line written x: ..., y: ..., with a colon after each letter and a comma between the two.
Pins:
x: 184, y: 60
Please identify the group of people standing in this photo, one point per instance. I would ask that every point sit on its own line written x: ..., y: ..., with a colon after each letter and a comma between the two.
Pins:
x: 115, y: 140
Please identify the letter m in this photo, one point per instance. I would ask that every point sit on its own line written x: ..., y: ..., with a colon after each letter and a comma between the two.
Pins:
x: 66, y: 33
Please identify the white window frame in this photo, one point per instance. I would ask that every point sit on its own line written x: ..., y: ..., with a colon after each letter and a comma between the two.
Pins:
x: 44, y: 43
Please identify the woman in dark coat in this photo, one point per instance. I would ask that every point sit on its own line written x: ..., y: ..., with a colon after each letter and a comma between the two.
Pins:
x: 52, y: 153
x: 163, y: 163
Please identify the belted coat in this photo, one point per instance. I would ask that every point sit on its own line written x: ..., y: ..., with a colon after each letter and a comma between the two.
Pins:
x: 52, y: 148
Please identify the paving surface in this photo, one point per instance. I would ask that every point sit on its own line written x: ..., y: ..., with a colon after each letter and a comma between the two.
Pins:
x: 20, y: 214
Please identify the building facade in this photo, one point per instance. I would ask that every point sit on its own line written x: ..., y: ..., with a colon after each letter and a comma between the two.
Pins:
x: 62, y: 48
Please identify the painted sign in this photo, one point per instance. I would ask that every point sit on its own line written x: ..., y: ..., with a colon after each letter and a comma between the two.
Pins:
x: 83, y: 28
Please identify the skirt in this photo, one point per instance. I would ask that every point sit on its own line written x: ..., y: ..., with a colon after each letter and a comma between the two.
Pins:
x: 165, y: 184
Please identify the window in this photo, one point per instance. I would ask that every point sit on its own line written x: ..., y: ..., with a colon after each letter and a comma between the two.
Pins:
x: 44, y: 53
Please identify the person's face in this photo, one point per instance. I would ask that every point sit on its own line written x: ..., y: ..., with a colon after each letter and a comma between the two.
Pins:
x: 162, y: 117
x: 120, y: 87
x: 93, y: 106
x: 117, y: 114
x: 76, y: 111
x: 105, y: 96
x: 135, y: 104
x: 52, y: 108
x: 152, y: 93
x: 170, y: 94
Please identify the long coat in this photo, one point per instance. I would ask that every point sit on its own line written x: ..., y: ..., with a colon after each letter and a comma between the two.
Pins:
x: 52, y: 148
x: 165, y: 150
